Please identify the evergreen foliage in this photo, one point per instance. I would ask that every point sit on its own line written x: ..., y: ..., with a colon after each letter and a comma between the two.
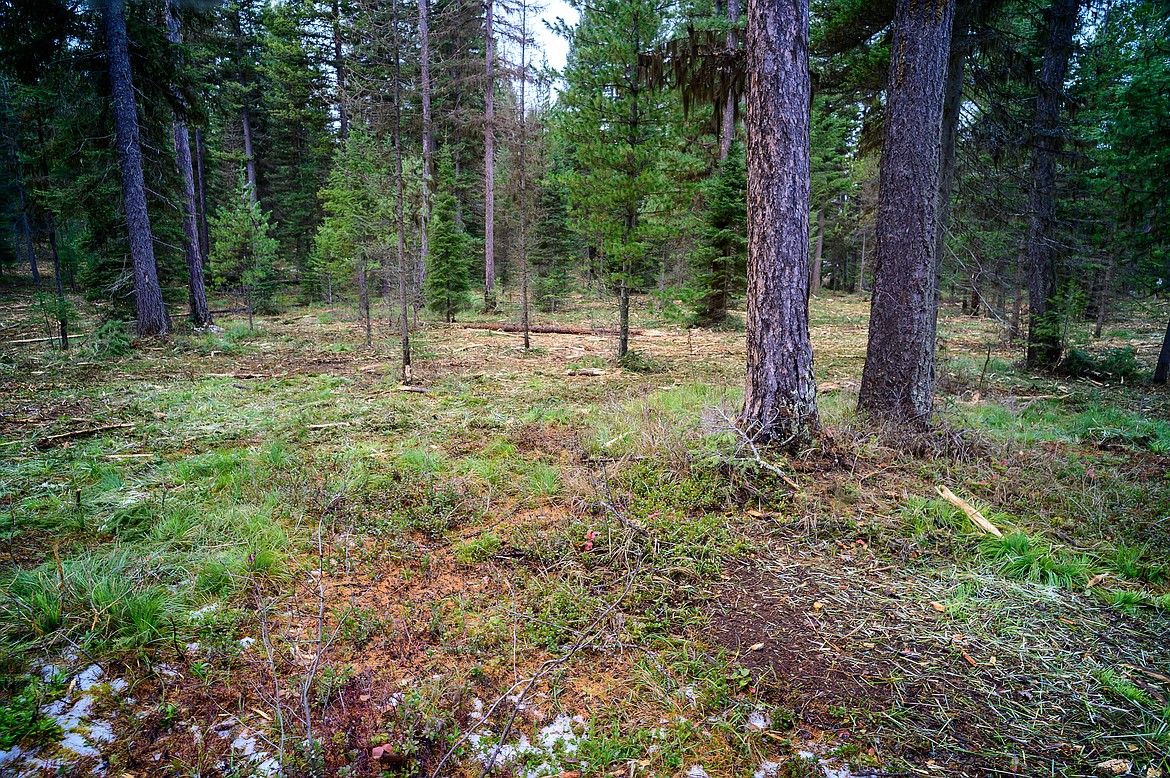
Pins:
x: 448, y: 279
x: 245, y: 252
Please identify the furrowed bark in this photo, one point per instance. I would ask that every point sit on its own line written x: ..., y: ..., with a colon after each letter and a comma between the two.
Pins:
x: 897, y: 382
x: 152, y: 316
x: 1044, y: 327
x: 196, y: 294
x: 780, y: 392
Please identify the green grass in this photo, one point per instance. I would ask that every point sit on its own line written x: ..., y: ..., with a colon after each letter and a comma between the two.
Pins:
x: 1022, y: 557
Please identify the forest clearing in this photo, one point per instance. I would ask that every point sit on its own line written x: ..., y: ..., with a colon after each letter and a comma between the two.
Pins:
x: 262, y: 542
x: 583, y: 388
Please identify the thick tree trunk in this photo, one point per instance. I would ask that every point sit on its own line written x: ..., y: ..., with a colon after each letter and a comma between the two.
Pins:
x: 727, y: 128
x: 152, y: 315
x: 1044, y: 325
x: 818, y: 252
x: 196, y: 295
x: 780, y: 392
x: 897, y: 382
x: 489, y: 165
x: 1162, y: 371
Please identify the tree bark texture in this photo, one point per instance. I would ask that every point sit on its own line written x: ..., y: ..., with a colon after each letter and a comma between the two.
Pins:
x: 489, y: 165
x: 1044, y: 327
x: 897, y: 382
x: 152, y: 316
x: 727, y: 128
x: 196, y: 294
x: 952, y: 106
x: 780, y: 390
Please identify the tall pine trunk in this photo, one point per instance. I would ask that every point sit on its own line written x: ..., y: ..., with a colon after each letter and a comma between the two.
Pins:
x: 420, y: 268
x: 952, y: 106
x: 727, y: 128
x: 489, y: 166
x: 780, y: 394
x: 1044, y: 326
x: 897, y: 382
x: 196, y: 294
x: 340, y: 72
x: 201, y: 187
x: 403, y: 320
x: 152, y: 315
x: 523, y: 174
x: 818, y: 253
x: 26, y: 228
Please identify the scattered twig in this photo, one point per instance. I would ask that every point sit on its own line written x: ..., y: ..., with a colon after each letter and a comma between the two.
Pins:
x: 51, y: 439
x: 976, y: 517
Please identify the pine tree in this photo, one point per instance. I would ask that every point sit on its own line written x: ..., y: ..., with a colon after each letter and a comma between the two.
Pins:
x: 244, y: 250
x: 719, y: 263
x: 448, y: 279
x: 613, y: 119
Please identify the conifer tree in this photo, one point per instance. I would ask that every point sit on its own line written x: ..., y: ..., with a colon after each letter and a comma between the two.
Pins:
x: 448, y: 279
x: 720, y: 262
x: 244, y: 250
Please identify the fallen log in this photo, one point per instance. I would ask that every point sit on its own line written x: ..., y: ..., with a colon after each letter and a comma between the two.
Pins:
x: 51, y: 439
x: 544, y: 329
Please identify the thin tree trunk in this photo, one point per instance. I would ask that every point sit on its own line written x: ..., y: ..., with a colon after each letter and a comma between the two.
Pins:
x: 403, y: 320
x: 196, y: 295
x: 427, y: 146
x: 818, y: 252
x: 245, y: 114
x: 339, y: 71
x: 1044, y: 327
x: 523, y: 174
x: 780, y: 403
x: 897, y: 382
x: 62, y: 317
x: 152, y: 315
x: 489, y: 164
x: 1103, y: 297
x: 624, y: 313
x: 249, y: 156
x: 727, y: 128
x: 26, y: 227
x: 952, y: 106
x: 204, y: 241
x: 1162, y: 371
x: 861, y: 262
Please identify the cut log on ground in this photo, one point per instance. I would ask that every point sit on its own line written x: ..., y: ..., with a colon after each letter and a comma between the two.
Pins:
x: 542, y: 329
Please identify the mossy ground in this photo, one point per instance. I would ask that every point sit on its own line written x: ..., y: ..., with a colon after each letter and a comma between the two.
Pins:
x: 275, y: 532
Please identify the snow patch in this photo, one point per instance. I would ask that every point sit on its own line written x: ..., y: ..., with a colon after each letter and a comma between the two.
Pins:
x: 553, y: 742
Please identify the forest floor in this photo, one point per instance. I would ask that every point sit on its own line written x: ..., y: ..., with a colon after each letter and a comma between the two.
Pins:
x: 240, y: 552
